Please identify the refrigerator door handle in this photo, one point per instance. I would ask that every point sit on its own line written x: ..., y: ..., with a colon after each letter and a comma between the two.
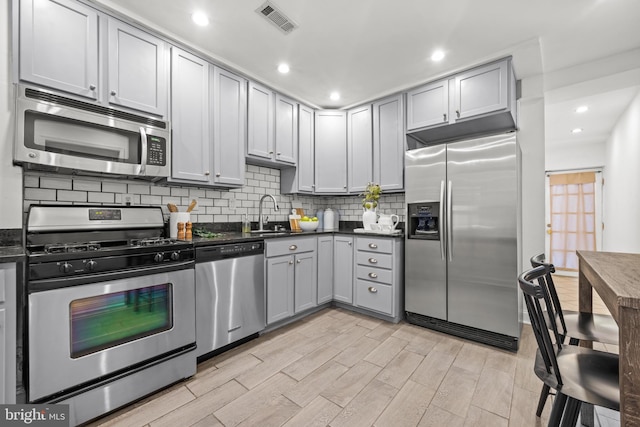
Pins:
x: 449, y: 225
x: 441, y: 217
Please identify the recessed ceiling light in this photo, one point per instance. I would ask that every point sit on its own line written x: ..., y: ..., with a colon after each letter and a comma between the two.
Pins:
x: 582, y: 109
x: 283, y: 68
x: 334, y: 96
x: 576, y: 130
x: 200, y: 19
x: 438, y: 55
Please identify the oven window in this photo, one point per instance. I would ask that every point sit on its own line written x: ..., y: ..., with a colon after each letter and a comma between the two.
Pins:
x: 108, y: 320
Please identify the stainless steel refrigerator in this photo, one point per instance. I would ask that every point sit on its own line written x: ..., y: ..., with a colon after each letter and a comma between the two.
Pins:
x: 462, y: 245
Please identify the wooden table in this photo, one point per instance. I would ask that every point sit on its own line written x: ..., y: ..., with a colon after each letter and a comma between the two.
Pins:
x: 616, y: 278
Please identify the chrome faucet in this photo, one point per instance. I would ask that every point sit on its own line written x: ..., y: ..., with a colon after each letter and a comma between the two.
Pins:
x: 275, y: 207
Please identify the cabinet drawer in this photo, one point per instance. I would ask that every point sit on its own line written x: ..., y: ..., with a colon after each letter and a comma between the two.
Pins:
x: 374, y: 245
x: 374, y: 296
x: 375, y: 260
x: 290, y: 246
x: 378, y: 275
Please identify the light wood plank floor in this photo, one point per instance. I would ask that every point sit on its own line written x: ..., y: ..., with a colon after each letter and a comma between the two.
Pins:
x: 567, y: 288
x: 340, y: 368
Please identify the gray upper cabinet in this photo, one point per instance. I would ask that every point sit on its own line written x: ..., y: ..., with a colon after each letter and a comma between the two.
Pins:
x: 59, y: 46
x: 360, y: 148
x: 482, y: 90
x: 331, y: 152
x: 137, y: 69
x: 190, y: 113
x: 388, y: 143
x: 229, y: 128
x: 68, y: 46
x: 428, y: 105
x: 286, y: 127
x: 301, y: 178
x: 260, y: 122
x: 208, y: 109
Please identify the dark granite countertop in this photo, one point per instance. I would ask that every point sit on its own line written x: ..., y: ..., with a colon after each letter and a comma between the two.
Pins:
x: 11, y: 254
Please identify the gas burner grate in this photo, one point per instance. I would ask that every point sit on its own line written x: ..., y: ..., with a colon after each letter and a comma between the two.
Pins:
x: 71, y: 247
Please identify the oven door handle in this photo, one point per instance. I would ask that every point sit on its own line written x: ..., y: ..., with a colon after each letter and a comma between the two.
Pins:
x: 143, y: 154
x: 64, y: 282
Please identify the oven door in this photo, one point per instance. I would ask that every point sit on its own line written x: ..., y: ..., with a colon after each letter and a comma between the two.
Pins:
x: 83, y: 333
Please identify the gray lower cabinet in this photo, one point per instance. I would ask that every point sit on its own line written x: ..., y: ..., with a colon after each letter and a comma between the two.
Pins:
x: 378, y: 283
x: 325, y: 269
x: 208, y: 110
x: 7, y: 333
x: 291, y: 266
x: 343, y: 268
x: 388, y: 143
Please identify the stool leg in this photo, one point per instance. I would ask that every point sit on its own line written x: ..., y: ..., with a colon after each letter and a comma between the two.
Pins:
x: 571, y: 412
x: 557, y: 410
x: 544, y: 393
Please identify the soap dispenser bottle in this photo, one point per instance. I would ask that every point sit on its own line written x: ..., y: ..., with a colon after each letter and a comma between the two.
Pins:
x: 246, y: 224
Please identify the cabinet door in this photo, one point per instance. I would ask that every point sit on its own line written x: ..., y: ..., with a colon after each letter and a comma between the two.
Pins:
x: 482, y: 90
x: 343, y: 269
x: 260, y: 125
x: 3, y: 350
x: 428, y: 105
x: 305, y: 150
x: 306, y: 282
x: 280, y: 277
x: 325, y: 269
x: 229, y: 124
x: 137, y: 69
x: 331, y: 152
x: 286, y: 126
x: 191, y: 142
x: 360, y: 148
x: 388, y: 143
x: 59, y: 45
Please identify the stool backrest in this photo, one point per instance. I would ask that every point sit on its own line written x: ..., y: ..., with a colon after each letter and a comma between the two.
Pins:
x: 537, y: 261
x: 536, y: 297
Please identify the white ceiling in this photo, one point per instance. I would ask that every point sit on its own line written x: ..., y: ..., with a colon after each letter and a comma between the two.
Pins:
x: 366, y: 49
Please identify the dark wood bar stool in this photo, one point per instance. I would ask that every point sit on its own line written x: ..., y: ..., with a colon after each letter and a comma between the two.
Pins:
x: 577, y: 374
x: 577, y: 326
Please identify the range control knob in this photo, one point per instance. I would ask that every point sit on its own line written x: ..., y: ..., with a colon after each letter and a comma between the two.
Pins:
x: 91, y: 265
x: 65, y: 267
x: 175, y: 256
x: 159, y: 257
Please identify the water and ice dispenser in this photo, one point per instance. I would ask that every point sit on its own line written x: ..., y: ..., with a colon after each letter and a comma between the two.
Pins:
x: 424, y: 221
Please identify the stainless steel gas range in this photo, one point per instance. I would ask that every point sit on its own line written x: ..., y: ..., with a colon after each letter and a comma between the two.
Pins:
x: 110, y: 307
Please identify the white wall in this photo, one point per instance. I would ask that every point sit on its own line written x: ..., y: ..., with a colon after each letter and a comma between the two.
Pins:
x: 622, y: 183
x: 10, y: 176
x: 575, y: 156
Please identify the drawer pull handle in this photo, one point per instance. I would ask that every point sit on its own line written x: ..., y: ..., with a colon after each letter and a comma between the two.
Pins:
x: 373, y: 275
x: 293, y: 247
x: 372, y: 290
x: 373, y: 260
x: 373, y: 246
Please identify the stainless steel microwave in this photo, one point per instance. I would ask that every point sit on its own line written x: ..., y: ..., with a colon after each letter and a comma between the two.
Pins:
x: 55, y: 132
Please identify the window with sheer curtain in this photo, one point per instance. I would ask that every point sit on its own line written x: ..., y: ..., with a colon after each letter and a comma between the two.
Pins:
x: 573, y: 216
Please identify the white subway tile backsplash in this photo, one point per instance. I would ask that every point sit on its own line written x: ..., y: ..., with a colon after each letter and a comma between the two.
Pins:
x: 57, y: 183
x: 114, y: 187
x: 139, y: 189
x: 94, y: 197
x: 146, y: 199
x: 86, y: 185
x: 39, y: 194
x: 160, y: 191
x: 177, y: 191
x: 71, y: 196
x: 31, y: 181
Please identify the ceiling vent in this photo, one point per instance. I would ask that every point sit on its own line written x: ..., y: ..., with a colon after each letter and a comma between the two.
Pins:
x: 276, y: 17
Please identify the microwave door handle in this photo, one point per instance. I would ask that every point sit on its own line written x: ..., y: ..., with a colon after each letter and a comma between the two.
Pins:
x: 143, y: 147
x: 441, y: 220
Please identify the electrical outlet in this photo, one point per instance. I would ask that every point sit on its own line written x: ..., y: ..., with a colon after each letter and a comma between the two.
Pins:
x: 127, y: 199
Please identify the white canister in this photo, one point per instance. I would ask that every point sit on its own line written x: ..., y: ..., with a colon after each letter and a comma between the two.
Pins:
x: 174, y: 219
x: 329, y: 220
x: 320, y: 216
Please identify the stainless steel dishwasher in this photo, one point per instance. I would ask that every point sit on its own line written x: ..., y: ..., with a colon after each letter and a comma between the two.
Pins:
x: 230, y: 294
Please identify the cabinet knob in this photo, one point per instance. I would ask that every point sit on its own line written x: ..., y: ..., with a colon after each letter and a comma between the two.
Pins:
x: 113, y: 93
x: 345, y: 187
x: 218, y: 175
x: 349, y: 243
x: 373, y: 275
x: 444, y: 117
x: 270, y: 152
x: 277, y: 154
x: 372, y: 290
x: 373, y: 246
x: 298, y: 261
x: 293, y: 247
x: 207, y: 173
x: 290, y: 262
x: 458, y: 113
x: 373, y: 260
x: 92, y: 87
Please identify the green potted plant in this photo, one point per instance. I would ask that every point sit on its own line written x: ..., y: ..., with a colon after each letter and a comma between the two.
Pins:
x: 370, y: 199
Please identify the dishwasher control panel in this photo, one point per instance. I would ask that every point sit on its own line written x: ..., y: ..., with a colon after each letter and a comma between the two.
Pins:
x: 212, y: 253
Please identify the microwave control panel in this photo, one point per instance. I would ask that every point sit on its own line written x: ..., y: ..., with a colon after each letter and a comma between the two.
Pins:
x: 156, y: 151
